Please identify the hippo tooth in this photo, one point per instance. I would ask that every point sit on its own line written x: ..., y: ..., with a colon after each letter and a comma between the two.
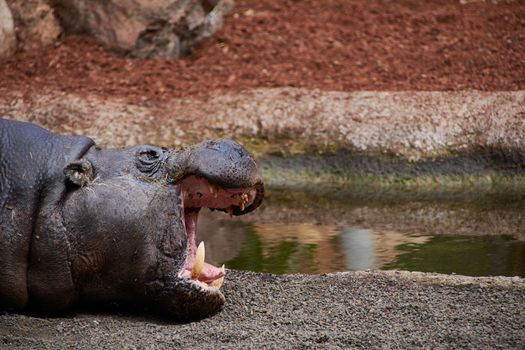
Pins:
x: 213, y: 190
x: 244, y: 200
x: 199, y: 262
x: 230, y: 212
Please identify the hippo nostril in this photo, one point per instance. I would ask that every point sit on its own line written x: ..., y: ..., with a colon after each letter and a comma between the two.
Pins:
x: 149, y: 155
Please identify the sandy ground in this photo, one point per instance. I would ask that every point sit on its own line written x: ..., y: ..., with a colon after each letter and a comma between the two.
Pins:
x: 343, y: 310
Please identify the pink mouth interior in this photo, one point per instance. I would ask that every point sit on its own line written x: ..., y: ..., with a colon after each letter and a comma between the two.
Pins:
x: 197, y: 192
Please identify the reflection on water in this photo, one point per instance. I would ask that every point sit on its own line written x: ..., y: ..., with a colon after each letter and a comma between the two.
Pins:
x: 271, y: 242
x: 365, y: 249
x: 359, y: 248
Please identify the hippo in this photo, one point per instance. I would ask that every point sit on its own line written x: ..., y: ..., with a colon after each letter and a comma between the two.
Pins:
x: 84, y: 225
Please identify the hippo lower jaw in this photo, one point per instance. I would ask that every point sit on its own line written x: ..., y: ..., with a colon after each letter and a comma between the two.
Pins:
x: 200, y: 278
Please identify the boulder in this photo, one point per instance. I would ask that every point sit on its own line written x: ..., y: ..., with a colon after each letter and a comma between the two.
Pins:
x: 35, y: 23
x: 144, y: 28
x: 7, y: 31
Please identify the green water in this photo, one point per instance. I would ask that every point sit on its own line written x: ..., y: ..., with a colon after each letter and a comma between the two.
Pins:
x: 306, y: 233
x: 472, y: 256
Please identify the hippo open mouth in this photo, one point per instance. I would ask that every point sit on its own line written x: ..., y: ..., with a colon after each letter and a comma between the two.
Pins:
x: 197, y: 192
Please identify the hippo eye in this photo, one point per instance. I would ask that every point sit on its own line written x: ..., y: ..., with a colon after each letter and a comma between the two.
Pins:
x: 149, y: 159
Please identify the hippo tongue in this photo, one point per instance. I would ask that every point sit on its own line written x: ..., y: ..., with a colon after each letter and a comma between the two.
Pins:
x: 209, y: 273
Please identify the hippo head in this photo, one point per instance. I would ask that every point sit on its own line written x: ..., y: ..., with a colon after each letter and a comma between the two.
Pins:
x: 130, y: 218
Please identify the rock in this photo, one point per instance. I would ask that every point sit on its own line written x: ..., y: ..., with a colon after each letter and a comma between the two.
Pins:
x: 7, y: 31
x: 35, y: 23
x: 144, y: 28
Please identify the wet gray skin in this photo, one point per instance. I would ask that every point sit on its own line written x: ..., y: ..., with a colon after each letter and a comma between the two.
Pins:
x: 79, y: 224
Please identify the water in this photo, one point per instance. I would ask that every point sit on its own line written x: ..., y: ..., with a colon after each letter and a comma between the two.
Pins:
x: 296, y: 232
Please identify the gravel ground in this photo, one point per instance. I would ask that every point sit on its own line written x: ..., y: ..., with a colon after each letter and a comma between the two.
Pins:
x: 332, y: 45
x: 342, y: 310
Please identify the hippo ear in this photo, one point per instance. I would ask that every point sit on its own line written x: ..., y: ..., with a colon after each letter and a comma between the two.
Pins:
x: 79, y: 172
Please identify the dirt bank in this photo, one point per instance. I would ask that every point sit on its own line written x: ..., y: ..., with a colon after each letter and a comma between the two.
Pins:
x: 409, y: 125
x: 344, y: 310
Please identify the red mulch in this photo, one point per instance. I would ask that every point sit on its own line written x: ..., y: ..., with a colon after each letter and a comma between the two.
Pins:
x: 326, y: 44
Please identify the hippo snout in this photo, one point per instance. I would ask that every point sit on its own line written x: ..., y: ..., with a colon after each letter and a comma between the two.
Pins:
x: 221, y: 163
